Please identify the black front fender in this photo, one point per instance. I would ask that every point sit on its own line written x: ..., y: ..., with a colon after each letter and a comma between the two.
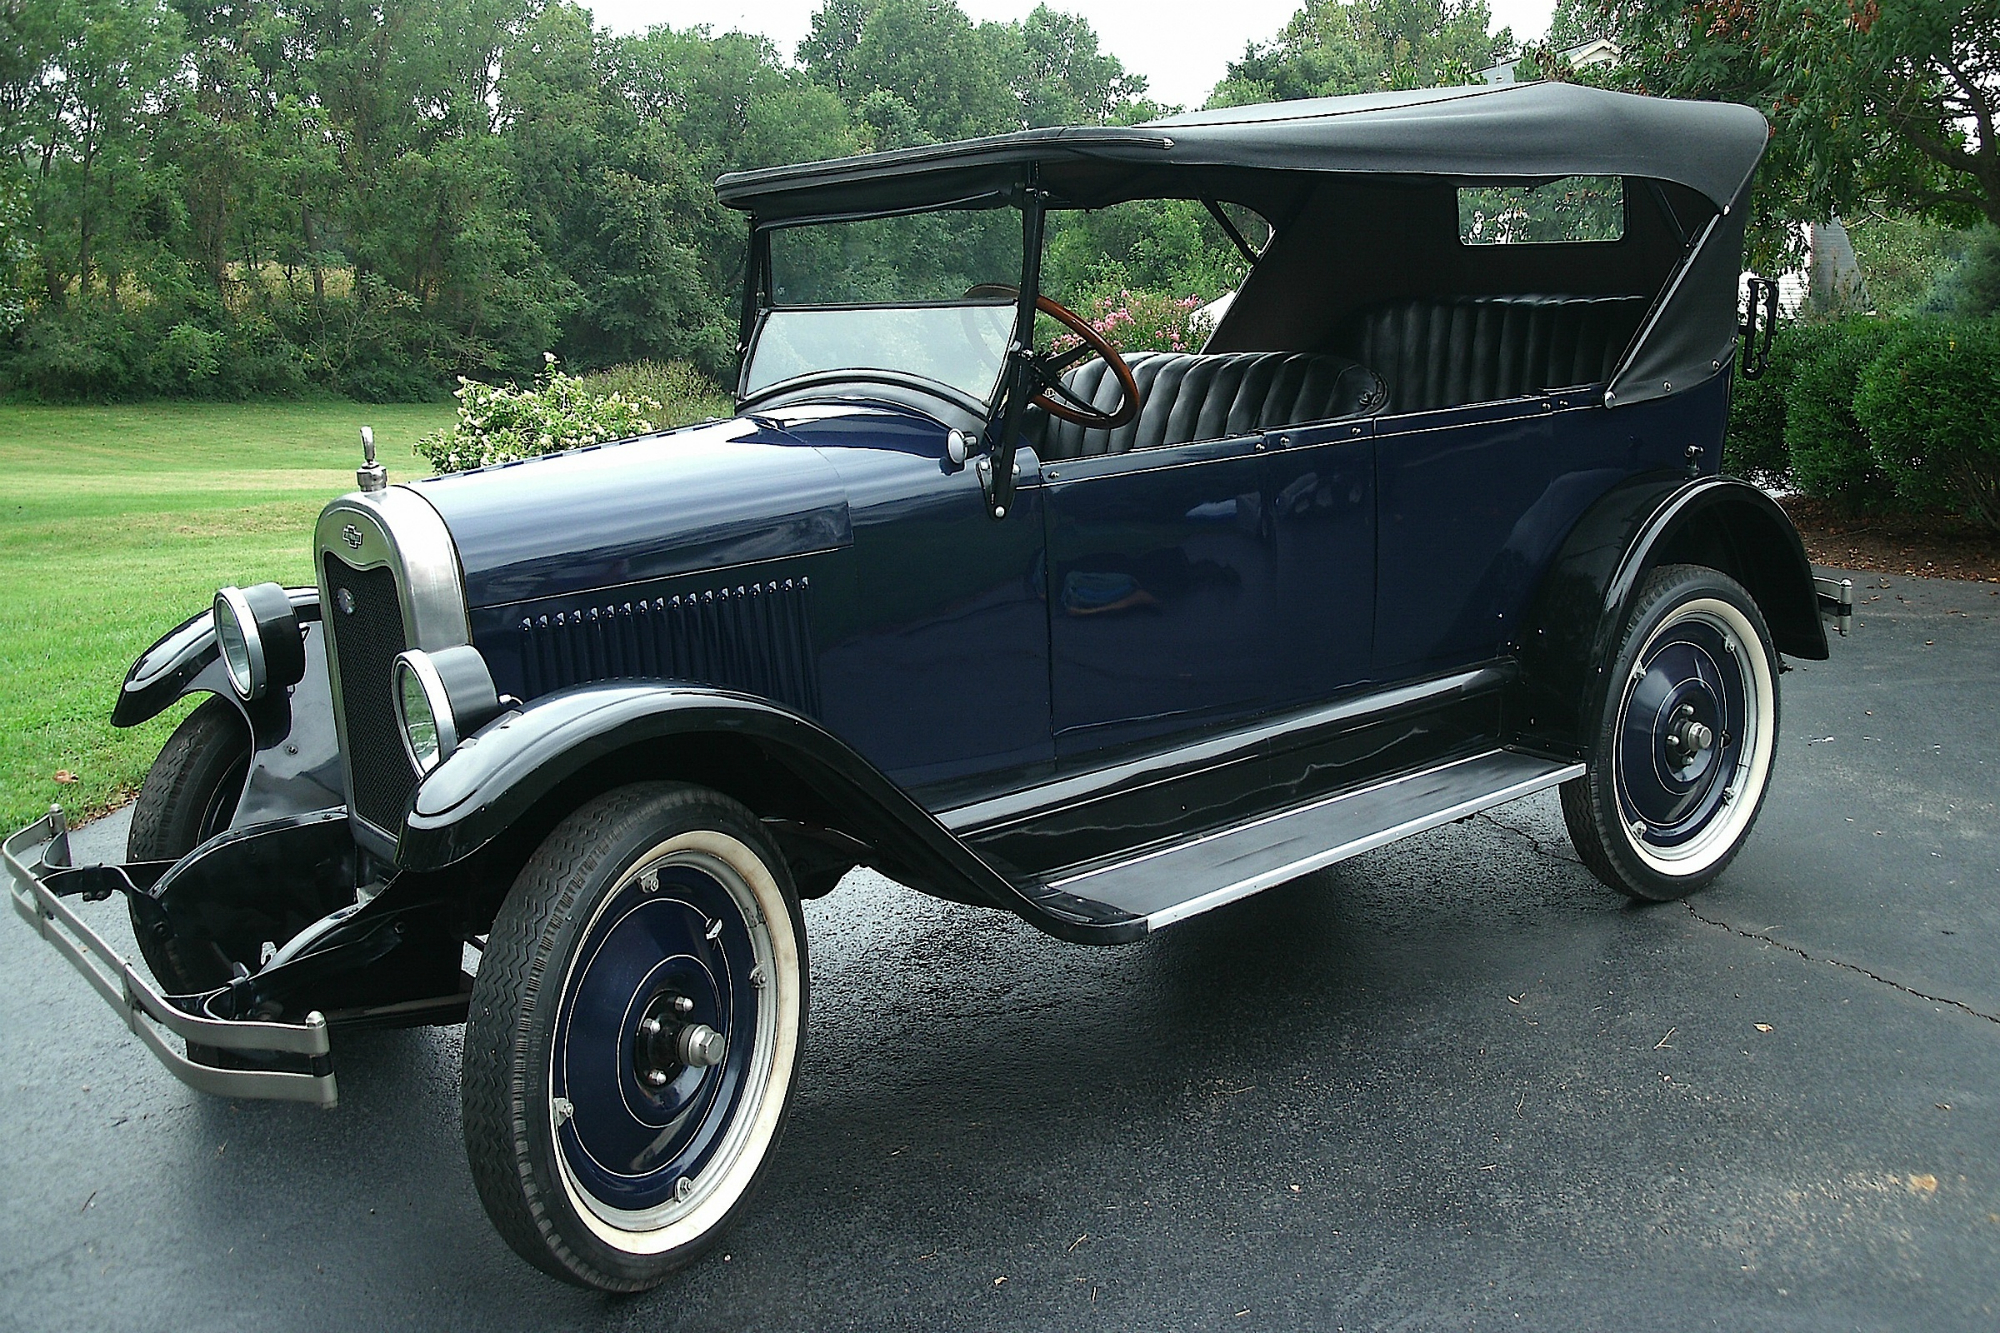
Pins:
x: 178, y: 664
x: 296, y: 763
x: 524, y: 759
x: 1581, y: 606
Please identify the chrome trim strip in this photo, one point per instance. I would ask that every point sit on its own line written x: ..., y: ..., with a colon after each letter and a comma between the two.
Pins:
x: 1020, y: 805
x: 144, y: 1009
x: 1229, y: 893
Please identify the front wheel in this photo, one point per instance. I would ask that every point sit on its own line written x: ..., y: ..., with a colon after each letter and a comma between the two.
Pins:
x: 189, y: 796
x: 1681, y: 756
x: 634, y: 1035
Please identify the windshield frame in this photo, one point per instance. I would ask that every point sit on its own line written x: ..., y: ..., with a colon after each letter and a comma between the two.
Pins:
x: 758, y: 305
x: 863, y: 375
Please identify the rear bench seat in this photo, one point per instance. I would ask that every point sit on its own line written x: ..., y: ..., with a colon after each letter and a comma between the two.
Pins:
x: 1186, y: 397
x: 1444, y: 353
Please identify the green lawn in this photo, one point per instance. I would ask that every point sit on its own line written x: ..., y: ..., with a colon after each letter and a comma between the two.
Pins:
x: 118, y: 523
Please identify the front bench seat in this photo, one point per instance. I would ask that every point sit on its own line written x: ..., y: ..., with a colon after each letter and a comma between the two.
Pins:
x: 1479, y: 349
x: 1186, y: 397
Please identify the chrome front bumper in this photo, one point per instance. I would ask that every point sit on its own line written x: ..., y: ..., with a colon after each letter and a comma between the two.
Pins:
x: 41, y: 876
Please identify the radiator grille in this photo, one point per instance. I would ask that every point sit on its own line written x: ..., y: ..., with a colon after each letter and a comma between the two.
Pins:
x: 366, y: 642
x: 754, y: 637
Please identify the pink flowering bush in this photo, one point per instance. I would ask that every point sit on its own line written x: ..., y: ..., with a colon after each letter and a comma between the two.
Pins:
x: 1138, y: 320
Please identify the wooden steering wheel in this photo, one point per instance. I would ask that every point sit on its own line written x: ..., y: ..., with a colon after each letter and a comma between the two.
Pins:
x: 1056, y: 397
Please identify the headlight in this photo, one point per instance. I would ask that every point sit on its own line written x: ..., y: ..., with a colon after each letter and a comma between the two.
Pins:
x: 258, y: 634
x: 441, y: 698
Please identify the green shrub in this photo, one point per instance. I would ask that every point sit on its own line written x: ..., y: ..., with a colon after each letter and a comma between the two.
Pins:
x: 1829, y: 451
x: 1903, y: 258
x: 1968, y: 284
x: 78, y: 351
x: 1754, y: 448
x: 684, y: 393
x: 503, y: 423
x: 189, y: 356
x: 1930, y: 403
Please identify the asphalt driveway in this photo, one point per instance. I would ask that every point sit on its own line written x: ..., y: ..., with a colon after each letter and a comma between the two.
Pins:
x: 1450, y: 1084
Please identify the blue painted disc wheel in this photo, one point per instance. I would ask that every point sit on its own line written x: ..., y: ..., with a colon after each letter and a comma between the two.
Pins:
x: 1685, y: 739
x: 635, y: 1028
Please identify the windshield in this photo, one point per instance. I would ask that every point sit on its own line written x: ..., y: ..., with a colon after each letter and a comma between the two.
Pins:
x: 891, y: 295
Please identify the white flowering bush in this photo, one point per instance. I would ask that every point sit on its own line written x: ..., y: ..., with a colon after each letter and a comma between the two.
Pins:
x: 500, y: 423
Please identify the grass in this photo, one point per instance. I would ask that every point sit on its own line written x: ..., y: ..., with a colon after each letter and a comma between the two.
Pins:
x: 116, y: 524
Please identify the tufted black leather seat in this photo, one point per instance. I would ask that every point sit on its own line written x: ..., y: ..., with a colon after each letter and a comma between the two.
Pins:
x: 1186, y: 397
x: 1477, y: 349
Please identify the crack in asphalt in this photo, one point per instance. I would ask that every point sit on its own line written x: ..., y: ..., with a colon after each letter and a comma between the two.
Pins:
x: 1842, y: 964
x: 1532, y: 840
x: 1542, y: 850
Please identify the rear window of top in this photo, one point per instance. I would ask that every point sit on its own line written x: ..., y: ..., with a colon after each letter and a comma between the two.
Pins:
x: 1572, y: 208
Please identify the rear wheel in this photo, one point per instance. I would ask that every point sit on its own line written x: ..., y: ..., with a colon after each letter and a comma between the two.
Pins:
x: 1683, y: 748
x: 634, y: 1035
x: 189, y: 796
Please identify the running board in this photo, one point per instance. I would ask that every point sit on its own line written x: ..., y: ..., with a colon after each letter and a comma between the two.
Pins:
x: 1178, y: 881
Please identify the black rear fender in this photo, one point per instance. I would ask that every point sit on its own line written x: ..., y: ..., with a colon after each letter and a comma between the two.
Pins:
x: 498, y: 796
x: 1720, y: 522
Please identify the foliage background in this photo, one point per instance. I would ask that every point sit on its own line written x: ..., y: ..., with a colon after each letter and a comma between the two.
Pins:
x: 230, y: 199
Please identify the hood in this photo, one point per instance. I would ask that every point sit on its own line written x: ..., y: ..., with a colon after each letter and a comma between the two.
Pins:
x: 703, y: 497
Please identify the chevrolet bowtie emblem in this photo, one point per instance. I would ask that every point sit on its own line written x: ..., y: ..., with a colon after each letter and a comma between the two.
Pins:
x: 352, y: 536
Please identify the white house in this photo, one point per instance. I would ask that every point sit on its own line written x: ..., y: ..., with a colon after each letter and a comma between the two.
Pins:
x: 1596, y: 51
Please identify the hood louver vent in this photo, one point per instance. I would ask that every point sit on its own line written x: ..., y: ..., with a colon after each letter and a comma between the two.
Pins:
x: 754, y: 637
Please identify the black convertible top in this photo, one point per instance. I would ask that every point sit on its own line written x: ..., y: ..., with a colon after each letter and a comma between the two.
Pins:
x: 1529, y: 130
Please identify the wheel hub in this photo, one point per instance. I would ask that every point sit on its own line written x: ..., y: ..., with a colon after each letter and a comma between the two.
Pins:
x: 1686, y: 740
x: 1677, y: 743
x: 668, y: 1043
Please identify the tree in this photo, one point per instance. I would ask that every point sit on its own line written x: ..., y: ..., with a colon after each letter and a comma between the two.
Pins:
x: 930, y: 57
x: 1573, y: 23
x: 97, y: 91
x: 1894, y: 104
x: 920, y: 71
x: 1063, y: 78
x: 1331, y: 49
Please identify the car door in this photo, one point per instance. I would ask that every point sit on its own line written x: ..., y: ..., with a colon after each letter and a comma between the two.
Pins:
x: 1321, y: 517
x: 1160, y: 590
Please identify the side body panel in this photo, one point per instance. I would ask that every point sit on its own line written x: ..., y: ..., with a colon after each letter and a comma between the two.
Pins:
x: 934, y: 658
x: 1198, y: 585
x: 1475, y: 502
x: 833, y: 561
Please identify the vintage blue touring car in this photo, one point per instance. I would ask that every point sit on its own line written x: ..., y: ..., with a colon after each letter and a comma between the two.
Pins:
x: 1433, y: 520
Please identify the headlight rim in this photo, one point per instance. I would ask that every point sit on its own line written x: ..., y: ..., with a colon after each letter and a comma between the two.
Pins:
x: 443, y: 716
x: 231, y: 603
